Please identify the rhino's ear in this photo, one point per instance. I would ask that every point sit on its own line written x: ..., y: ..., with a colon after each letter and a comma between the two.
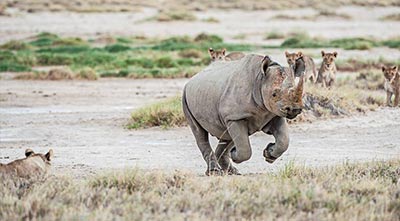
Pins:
x: 29, y: 152
x: 49, y: 155
x: 265, y: 63
x: 300, y: 67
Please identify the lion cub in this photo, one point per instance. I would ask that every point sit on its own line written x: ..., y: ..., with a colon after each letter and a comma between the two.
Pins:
x: 392, y: 84
x: 34, y: 165
x: 310, y: 71
x: 220, y: 55
x: 327, y: 72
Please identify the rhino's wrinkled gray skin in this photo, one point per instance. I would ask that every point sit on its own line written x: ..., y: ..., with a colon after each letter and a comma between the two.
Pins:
x: 232, y: 100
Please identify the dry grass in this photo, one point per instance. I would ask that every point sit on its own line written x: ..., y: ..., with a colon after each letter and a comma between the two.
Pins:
x: 364, y: 191
x: 322, y: 13
x: 135, y: 5
x: 57, y: 74
x: 391, y: 17
x: 167, y: 113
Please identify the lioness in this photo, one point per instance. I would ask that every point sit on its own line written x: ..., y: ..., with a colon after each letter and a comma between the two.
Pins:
x: 327, y: 72
x: 220, y: 55
x: 310, y: 71
x: 34, y: 165
x: 392, y: 84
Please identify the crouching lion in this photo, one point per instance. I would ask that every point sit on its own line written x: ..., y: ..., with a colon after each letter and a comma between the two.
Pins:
x: 233, y: 100
x: 33, y: 165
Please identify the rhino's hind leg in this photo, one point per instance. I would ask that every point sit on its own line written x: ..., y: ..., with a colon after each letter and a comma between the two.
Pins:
x: 201, y: 136
x: 222, y: 153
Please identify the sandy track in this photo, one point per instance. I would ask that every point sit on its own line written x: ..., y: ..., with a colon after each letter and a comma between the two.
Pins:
x: 83, y: 122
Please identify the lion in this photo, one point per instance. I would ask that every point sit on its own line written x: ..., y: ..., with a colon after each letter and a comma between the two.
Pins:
x: 392, y: 84
x: 310, y: 71
x: 220, y: 55
x: 327, y: 72
x: 33, y: 165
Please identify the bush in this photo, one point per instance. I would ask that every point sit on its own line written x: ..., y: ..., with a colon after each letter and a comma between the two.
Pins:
x: 54, y: 59
x: 209, y: 39
x: 15, y: 45
x: 87, y: 74
x: 114, y: 48
x: 166, y: 114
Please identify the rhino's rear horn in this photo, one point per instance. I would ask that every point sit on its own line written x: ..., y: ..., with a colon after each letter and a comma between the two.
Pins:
x: 299, y: 89
x: 265, y: 63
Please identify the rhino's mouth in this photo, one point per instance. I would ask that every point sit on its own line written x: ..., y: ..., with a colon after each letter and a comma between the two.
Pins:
x: 291, y: 116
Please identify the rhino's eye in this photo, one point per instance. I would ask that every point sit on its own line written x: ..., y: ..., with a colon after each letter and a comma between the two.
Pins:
x: 275, y: 93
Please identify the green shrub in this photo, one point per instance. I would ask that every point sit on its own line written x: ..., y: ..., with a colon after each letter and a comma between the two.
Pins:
x: 71, y: 49
x: 15, y: 45
x: 54, y: 59
x: 115, y: 48
x: 209, y: 39
x: 165, y: 62
x: 166, y: 114
x: 87, y: 74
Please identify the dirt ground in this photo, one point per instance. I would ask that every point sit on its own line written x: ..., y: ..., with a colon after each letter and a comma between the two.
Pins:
x: 83, y: 121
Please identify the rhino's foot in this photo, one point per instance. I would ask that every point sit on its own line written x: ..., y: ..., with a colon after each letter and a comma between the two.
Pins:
x: 214, y: 172
x: 268, y: 157
x: 214, y: 169
x: 233, y: 171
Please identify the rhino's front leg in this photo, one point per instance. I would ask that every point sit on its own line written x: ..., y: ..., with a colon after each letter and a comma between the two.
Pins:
x: 224, y: 160
x: 278, y: 127
x: 238, y: 131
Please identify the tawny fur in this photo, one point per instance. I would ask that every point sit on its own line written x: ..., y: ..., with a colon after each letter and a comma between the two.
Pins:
x: 327, y: 72
x: 33, y: 165
x: 220, y: 55
x: 392, y: 85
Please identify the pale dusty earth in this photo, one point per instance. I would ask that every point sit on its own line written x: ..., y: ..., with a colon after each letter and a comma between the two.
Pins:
x: 83, y: 121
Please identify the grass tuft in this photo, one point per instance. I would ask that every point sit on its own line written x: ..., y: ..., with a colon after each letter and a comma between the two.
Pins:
x: 165, y: 114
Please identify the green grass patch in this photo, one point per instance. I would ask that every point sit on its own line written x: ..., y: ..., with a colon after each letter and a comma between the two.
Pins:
x: 166, y: 113
x: 274, y: 35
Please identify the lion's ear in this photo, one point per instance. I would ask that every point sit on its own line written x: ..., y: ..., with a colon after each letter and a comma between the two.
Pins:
x: 49, y: 155
x: 323, y: 53
x: 383, y: 68
x: 335, y: 54
x: 223, y: 51
x: 394, y: 68
x: 286, y: 53
x: 29, y: 152
x: 299, y: 54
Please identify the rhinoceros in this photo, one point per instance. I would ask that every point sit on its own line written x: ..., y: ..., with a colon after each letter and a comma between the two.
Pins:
x: 233, y: 100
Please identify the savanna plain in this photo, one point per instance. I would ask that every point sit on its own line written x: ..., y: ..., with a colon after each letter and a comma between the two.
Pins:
x: 100, y: 83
